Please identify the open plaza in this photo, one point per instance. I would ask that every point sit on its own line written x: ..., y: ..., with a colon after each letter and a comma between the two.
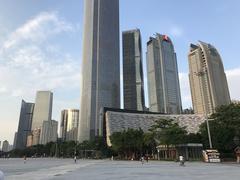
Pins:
x: 36, y: 169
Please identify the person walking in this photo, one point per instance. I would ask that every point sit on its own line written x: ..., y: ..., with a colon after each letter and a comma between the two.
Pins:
x: 25, y: 159
x: 181, y: 160
x: 75, y: 159
x: 142, y: 160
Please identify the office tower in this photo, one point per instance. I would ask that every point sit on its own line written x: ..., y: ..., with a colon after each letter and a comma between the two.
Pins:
x: 43, y: 109
x: 10, y: 147
x: 69, y: 124
x: 24, y: 125
x: 5, y: 146
x: 163, y: 80
x: 208, y: 80
x: 48, y: 132
x: 100, y: 66
x: 15, y: 140
x: 133, y: 87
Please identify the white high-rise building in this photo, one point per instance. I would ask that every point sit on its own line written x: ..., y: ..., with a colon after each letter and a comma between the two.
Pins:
x: 48, y: 132
x: 5, y: 146
x: 43, y: 109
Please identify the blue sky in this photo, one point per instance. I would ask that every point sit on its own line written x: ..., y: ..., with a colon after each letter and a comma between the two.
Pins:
x: 41, y: 46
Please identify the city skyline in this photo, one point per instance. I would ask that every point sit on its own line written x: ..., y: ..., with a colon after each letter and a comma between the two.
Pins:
x: 55, y: 21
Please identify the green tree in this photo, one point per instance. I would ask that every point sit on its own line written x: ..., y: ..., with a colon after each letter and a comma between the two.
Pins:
x: 128, y: 144
x: 168, y: 132
x: 224, y: 127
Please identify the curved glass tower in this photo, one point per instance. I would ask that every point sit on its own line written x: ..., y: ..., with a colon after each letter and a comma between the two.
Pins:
x: 100, y: 65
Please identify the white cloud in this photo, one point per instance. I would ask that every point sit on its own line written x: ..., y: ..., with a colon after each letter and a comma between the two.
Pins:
x: 38, y: 29
x: 185, y: 90
x: 26, y: 65
x: 176, y: 31
x: 233, y: 76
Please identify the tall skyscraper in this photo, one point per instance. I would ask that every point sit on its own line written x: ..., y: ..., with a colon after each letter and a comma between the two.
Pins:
x: 208, y: 80
x: 24, y: 125
x: 100, y: 66
x: 133, y: 87
x: 43, y: 109
x: 69, y: 124
x: 163, y: 80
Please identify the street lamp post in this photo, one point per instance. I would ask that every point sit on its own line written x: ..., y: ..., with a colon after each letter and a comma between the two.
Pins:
x: 209, y: 133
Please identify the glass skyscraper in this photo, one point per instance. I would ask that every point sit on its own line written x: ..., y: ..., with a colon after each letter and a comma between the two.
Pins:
x: 24, y: 125
x: 133, y: 87
x: 100, y: 65
x: 69, y: 124
x: 163, y: 79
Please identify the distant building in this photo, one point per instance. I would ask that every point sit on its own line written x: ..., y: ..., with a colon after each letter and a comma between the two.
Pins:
x: 163, y: 80
x: 24, y: 125
x: 35, y: 136
x: 48, y: 132
x: 43, y: 109
x: 208, y: 80
x: 133, y: 87
x: 69, y: 124
x: 100, y: 66
x: 10, y: 147
x: 5, y: 146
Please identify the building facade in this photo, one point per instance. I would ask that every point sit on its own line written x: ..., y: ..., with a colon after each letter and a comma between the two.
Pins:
x: 48, y: 132
x: 133, y: 87
x: 208, y: 82
x: 163, y: 79
x: 43, y: 109
x: 100, y: 66
x: 69, y: 124
x: 5, y: 146
x: 24, y: 125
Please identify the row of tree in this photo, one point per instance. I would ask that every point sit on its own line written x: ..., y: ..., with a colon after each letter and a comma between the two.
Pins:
x: 132, y: 143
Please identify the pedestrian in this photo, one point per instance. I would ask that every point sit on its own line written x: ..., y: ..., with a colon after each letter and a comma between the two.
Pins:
x: 142, y: 160
x: 1, y: 175
x: 75, y: 159
x: 147, y: 158
x: 25, y: 159
x: 181, y: 160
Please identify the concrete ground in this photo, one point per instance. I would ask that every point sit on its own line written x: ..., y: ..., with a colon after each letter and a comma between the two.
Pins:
x: 36, y: 169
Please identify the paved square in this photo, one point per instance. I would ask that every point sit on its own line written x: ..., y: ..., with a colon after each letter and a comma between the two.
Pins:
x: 36, y: 169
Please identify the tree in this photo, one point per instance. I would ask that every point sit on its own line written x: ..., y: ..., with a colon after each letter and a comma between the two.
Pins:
x: 224, y: 127
x: 128, y: 144
x: 168, y: 132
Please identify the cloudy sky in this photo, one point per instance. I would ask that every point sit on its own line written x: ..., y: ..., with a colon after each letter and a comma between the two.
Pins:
x: 41, y: 46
